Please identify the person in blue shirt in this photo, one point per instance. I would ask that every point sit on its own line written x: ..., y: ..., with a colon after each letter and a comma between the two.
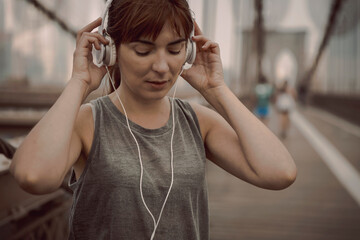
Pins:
x: 263, y: 93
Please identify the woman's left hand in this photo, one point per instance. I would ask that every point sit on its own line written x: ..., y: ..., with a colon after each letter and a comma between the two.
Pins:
x: 206, y: 72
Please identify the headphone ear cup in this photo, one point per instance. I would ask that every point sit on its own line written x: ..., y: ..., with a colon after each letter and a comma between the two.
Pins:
x: 110, y: 52
x: 98, y: 55
x: 106, y: 56
x: 190, y: 52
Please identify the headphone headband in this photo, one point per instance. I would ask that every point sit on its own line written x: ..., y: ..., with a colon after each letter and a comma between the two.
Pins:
x: 107, y: 54
x: 103, y: 17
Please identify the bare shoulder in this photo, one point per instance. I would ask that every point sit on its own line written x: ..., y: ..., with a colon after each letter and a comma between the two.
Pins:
x: 201, y: 111
x: 207, y: 117
x: 84, y: 125
x: 85, y: 113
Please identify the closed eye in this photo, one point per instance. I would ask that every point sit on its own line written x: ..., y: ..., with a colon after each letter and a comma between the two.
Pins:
x: 174, y: 52
x: 176, y: 48
x: 142, y: 54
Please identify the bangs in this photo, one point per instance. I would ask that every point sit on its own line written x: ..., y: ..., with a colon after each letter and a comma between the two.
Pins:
x: 147, y: 18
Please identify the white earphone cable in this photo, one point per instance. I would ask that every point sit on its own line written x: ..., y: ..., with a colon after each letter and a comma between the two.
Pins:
x: 171, y: 161
x: 156, y: 223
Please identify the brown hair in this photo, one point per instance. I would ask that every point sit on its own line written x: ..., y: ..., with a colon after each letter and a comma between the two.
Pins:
x: 129, y: 20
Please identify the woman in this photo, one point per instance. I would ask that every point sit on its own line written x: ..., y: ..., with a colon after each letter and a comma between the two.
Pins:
x: 285, y: 103
x: 138, y: 156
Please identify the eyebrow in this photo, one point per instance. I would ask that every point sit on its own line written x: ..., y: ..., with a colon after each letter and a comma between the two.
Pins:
x: 171, y: 43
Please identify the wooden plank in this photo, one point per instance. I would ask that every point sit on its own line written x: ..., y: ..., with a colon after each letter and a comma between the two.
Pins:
x: 316, y: 206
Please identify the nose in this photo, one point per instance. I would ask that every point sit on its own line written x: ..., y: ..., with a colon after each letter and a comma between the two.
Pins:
x: 160, y: 64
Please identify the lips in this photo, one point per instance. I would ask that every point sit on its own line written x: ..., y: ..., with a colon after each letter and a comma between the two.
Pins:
x: 157, y: 84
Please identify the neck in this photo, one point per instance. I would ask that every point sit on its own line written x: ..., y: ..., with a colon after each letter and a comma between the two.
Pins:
x: 148, y: 114
x: 135, y: 104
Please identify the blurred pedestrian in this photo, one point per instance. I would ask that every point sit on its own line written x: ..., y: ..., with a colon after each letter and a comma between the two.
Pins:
x: 285, y: 103
x: 138, y: 156
x: 263, y: 92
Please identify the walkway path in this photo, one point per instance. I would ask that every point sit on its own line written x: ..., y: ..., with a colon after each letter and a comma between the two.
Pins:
x: 317, y: 206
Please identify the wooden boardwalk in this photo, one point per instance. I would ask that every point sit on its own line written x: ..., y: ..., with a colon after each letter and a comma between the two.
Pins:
x: 316, y: 206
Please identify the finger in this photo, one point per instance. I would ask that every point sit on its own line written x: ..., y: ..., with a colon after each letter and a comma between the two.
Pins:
x: 99, y: 36
x: 212, y: 46
x: 87, y: 41
x: 85, y: 47
x: 89, y: 27
x: 206, y: 44
x: 197, y: 29
x: 200, y: 40
x: 92, y: 36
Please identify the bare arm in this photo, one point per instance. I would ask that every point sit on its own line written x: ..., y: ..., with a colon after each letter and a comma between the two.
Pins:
x: 49, y: 150
x: 54, y: 144
x: 234, y: 138
x: 242, y: 145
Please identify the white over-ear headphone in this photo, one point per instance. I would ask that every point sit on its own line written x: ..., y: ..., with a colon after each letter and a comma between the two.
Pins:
x: 191, y: 46
x: 106, y: 56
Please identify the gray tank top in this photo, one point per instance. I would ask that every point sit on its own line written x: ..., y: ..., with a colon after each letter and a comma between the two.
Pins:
x: 107, y: 202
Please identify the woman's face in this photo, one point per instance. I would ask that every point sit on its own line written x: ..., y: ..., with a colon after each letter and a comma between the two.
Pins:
x: 150, y: 68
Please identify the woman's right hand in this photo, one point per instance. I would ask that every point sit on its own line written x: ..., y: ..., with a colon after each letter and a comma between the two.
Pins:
x: 83, y: 67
